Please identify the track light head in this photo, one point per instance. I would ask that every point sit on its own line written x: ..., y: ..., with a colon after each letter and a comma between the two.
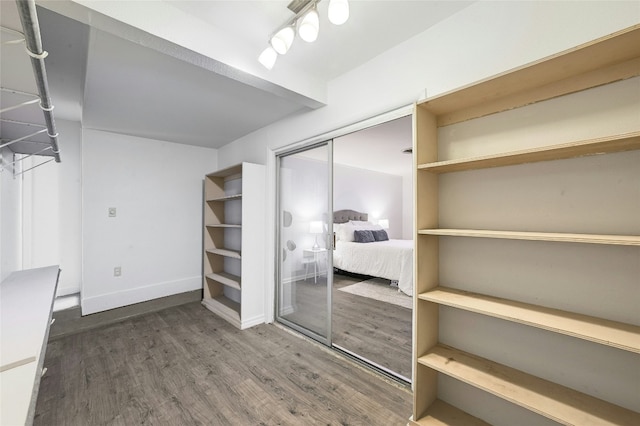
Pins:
x: 268, y: 57
x: 338, y: 11
x: 281, y: 41
x: 309, y: 26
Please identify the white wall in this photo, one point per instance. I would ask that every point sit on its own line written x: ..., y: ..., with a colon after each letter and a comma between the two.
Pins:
x: 485, y: 39
x: 456, y: 52
x: 155, y: 238
x: 378, y: 194
x: 52, y: 199
x: 10, y: 217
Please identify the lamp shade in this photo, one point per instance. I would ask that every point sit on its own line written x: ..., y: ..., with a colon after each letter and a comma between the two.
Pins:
x: 338, y: 11
x: 315, y: 227
x: 309, y: 26
x: 281, y: 41
x: 268, y: 57
x: 384, y: 223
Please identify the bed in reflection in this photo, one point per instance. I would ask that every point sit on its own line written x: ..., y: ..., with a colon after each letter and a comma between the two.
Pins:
x: 363, y: 247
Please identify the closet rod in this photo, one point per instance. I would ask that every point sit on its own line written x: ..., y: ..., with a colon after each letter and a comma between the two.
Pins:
x: 33, y: 41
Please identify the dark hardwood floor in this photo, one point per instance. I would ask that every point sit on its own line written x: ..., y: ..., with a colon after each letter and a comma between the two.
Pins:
x: 185, y: 366
x: 377, y: 331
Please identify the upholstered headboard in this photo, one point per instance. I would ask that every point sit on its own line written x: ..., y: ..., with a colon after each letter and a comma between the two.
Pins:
x: 344, y: 216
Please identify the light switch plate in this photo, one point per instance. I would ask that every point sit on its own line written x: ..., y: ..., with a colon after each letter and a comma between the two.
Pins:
x: 112, y: 212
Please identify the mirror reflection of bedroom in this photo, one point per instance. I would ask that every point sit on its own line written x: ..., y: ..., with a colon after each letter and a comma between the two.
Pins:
x: 356, y: 297
x: 373, y: 257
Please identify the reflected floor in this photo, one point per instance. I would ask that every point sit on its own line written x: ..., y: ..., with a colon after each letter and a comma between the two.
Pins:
x: 374, y: 330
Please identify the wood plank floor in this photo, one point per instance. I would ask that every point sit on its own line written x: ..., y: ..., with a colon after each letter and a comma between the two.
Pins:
x: 185, y: 366
x: 375, y: 330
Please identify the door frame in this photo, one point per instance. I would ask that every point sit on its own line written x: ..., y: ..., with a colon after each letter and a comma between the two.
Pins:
x: 271, y: 213
x: 329, y: 243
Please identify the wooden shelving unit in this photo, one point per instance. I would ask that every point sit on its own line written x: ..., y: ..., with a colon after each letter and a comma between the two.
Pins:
x: 615, y: 240
x: 605, y: 61
x: 233, y: 281
x: 548, y: 399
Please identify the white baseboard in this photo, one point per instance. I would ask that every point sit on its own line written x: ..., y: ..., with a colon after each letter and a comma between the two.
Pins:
x: 250, y: 322
x: 104, y: 302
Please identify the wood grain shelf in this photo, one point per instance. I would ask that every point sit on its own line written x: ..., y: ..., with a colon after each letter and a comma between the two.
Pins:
x: 442, y: 414
x: 224, y: 225
x: 622, y: 240
x: 609, y: 333
x: 605, y: 145
x: 234, y: 254
x: 608, y: 59
x: 225, y: 198
x: 224, y: 307
x: 566, y: 77
x: 226, y: 278
x: 556, y: 402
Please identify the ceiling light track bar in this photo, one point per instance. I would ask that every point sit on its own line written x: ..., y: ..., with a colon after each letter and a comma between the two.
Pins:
x: 306, y: 23
x: 33, y: 41
x: 302, y: 10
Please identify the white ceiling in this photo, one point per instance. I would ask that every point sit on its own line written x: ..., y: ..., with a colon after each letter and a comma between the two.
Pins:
x: 118, y: 78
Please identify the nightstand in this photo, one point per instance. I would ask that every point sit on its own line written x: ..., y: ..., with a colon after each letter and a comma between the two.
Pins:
x: 313, y: 257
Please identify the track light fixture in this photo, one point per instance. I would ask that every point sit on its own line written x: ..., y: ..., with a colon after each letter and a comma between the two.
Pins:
x: 307, y: 23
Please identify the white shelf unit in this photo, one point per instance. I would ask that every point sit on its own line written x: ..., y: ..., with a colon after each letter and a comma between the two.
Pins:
x: 233, y: 263
x: 25, y: 318
x: 441, y: 307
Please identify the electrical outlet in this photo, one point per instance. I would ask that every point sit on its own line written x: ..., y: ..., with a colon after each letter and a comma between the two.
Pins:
x: 112, y: 212
x: 117, y: 271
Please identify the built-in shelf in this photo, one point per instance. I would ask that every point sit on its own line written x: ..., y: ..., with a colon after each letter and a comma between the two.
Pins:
x: 621, y: 240
x: 226, y: 278
x: 580, y: 75
x: 234, y: 254
x: 559, y: 403
x: 610, y: 333
x: 225, y: 198
x: 617, y: 143
x: 225, y: 307
x: 234, y: 290
x: 602, y: 61
x: 442, y: 414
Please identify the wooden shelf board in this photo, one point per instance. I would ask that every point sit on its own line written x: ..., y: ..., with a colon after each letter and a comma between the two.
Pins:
x: 559, y: 403
x: 225, y: 252
x: 226, y: 278
x: 617, y: 143
x: 225, y: 308
x: 226, y: 198
x: 223, y: 225
x: 226, y: 173
x: 442, y: 414
x: 605, y: 53
x: 605, y: 332
x: 623, y: 240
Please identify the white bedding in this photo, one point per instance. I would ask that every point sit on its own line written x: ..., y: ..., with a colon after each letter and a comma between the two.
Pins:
x: 392, y: 259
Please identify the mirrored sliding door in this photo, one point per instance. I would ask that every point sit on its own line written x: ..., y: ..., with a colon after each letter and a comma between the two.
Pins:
x: 304, y: 246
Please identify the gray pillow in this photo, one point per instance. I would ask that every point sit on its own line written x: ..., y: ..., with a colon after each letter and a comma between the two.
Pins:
x: 380, y: 235
x: 363, y: 236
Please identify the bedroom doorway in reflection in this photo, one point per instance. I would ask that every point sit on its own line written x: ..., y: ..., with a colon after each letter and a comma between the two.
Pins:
x: 304, y: 283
